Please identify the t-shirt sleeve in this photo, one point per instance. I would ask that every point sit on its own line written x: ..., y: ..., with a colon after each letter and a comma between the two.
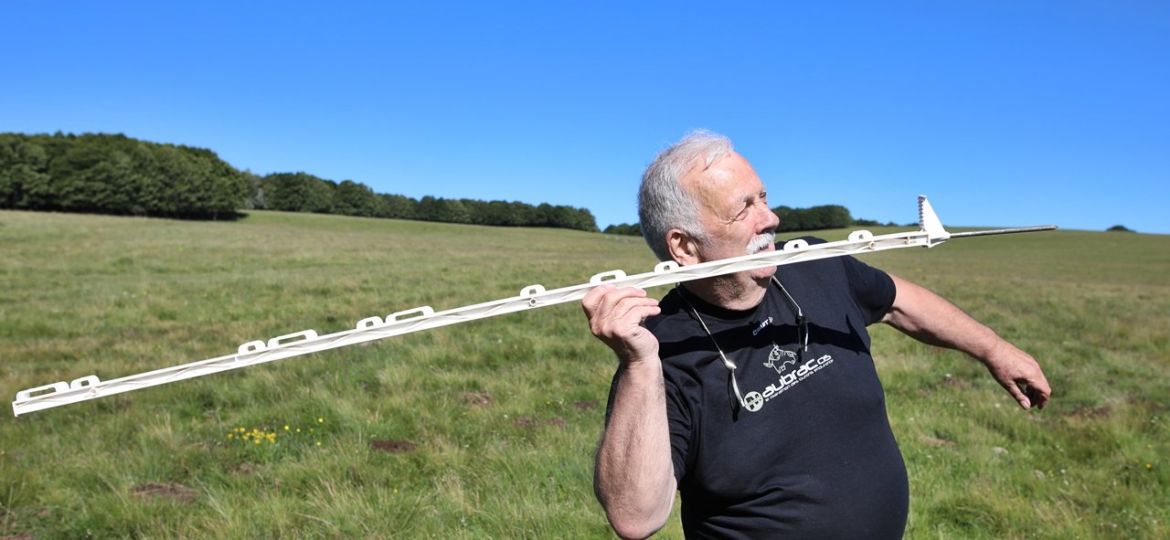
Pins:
x: 678, y: 418
x: 872, y: 289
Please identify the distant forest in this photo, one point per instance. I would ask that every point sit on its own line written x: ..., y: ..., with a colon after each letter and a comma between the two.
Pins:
x: 829, y: 216
x: 115, y: 174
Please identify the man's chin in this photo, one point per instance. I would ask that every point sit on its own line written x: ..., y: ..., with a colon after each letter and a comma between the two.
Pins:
x: 763, y: 274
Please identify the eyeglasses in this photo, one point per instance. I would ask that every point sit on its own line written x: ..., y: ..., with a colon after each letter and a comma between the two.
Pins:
x: 801, y: 321
x: 801, y: 339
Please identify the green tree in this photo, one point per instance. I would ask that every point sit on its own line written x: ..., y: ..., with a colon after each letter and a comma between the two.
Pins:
x: 255, y: 198
x: 397, y: 207
x: 829, y: 216
x: 353, y: 199
x: 298, y: 192
x: 442, y: 210
x: 23, y: 163
x: 628, y: 229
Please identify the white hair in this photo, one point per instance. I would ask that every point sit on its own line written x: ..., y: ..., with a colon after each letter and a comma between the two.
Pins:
x: 663, y: 202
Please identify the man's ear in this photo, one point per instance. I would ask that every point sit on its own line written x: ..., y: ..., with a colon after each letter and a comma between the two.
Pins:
x: 682, y: 246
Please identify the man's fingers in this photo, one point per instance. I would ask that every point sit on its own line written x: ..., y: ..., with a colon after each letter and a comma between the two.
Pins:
x: 634, y: 308
x: 612, y: 301
x: 1017, y: 391
x: 1038, y: 392
x: 1029, y: 393
x: 593, y: 298
x: 624, y: 319
x: 645, y: 312
x: 615, y: 315
x: 1020, y: 375
x: 602, y: 301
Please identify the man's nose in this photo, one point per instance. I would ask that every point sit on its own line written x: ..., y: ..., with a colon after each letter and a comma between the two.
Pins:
x: 769, y: 219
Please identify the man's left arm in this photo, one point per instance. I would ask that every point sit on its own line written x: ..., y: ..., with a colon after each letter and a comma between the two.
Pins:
x: 931, y: 319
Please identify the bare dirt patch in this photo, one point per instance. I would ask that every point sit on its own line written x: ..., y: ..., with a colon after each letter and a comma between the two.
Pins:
x: 167, y: 490
x: 1091, y: 412
x: 392, y: 446
x: 584, y: 405
x: 951, y: 381
x: 531, y: 422
x: 935, y: 441
x: 477, y: 399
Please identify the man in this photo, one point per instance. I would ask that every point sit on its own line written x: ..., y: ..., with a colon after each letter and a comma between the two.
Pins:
x: 754, y: 394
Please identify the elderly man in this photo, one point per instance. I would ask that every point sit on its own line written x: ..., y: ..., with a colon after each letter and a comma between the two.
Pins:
x: 754, y: 394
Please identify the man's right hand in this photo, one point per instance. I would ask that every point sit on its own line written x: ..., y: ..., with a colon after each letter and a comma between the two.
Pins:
x: 616, y: 316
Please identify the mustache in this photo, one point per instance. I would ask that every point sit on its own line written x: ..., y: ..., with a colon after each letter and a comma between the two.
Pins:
x: 761, y: 242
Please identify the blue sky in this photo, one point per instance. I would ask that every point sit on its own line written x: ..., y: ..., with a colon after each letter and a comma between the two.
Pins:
x: 1003, y: 112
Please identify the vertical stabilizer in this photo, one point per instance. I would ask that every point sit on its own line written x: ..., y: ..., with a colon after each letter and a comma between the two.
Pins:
x: 929, y: 223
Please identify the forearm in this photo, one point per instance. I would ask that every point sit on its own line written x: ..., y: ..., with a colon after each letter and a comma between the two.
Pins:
x: 634, y: 476
x: 932, y: 319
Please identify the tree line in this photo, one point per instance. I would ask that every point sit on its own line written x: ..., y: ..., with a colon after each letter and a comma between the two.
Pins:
x: 814, y: 218
x: 115, y: 174
x: 303, y: 192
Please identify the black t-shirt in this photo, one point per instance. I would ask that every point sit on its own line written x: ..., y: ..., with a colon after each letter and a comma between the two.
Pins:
x: 813, y: 456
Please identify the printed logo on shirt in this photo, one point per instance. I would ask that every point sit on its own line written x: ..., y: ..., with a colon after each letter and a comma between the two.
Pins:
x: 754, y: 401
x: 775, y: 356
x: 760, y: 327
x: 780, y: 360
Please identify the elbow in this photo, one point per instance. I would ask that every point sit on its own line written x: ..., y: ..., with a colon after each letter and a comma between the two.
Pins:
x: 631, y: 526
x: 638, y: 519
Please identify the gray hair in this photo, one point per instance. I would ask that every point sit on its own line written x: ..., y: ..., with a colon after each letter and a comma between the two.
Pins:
x: 663, y: 202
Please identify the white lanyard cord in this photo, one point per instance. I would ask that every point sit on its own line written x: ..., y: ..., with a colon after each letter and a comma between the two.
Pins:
x: 726, y: 362
x: 801, y: 325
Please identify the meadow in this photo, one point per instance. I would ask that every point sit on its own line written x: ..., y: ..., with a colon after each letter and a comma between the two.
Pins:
x: 487, y: 429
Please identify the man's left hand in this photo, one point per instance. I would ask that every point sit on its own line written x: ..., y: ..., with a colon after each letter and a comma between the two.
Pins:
x: 1019, y: 374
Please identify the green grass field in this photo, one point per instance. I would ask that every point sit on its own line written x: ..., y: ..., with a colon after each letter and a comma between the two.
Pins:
x: 488, y: 429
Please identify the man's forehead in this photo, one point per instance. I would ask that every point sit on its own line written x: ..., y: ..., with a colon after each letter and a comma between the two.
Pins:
x: 725, y: 175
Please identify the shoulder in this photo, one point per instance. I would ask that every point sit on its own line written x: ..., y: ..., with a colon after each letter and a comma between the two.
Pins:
x: 842, y: 280
x: 818, y: 271
x: 810, y: 240
x: 683, y: 345
x: 673, y: 322
x: 845, y: 266
x: 870, y: 289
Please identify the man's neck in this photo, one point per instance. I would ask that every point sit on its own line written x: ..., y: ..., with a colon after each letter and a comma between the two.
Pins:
x: 735, y: 292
